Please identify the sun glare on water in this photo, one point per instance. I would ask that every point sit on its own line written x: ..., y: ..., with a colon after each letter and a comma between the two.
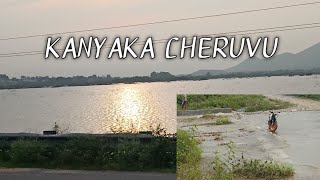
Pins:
x: 129, y: 105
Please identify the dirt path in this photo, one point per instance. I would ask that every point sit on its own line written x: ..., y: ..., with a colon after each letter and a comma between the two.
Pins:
x: 301, y: 103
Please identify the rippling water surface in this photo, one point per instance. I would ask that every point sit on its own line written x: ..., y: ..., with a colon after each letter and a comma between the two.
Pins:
x: 92, y: 109
x: 125, y: 107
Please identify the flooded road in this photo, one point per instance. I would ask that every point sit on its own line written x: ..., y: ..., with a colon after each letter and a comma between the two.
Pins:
x: 296, y: 142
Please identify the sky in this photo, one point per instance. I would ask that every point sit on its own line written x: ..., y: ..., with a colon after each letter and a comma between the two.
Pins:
x: 28, y: 17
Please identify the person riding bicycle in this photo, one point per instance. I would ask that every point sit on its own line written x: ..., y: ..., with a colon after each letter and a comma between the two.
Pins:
x: 272, y: 117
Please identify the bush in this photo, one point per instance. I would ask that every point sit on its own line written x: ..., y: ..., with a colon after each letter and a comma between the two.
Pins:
x: 308, y: 96
x: 4, y: 151
x: 227, y: 166
x: 188, y: 156
x: 263, y: 169
x: 222, y: 120
x: 158, y: 153
x: 28, y: 152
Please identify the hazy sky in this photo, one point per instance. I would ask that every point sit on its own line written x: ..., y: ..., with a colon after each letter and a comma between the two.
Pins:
x: 27, y: 17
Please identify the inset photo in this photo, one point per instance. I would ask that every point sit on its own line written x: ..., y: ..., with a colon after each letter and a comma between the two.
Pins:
x: 248, y: 136
x: 118, y: 132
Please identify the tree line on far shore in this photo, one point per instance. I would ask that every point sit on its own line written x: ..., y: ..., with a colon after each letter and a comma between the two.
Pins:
x: 46, y: 81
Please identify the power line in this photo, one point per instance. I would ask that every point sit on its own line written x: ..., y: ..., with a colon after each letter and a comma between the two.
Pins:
x: 160, y: 22
x: 105, y: 46
x: 234, y: 33
x: 259, y: 32
x: 230, y: 33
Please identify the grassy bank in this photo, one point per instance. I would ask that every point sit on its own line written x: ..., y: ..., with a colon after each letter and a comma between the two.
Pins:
x: 315, y: 97
x: 249, y: 103
x: 188, y: 157
x: 158, y: 154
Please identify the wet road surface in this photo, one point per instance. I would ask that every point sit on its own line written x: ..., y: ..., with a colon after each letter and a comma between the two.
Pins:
x: 297, y: 140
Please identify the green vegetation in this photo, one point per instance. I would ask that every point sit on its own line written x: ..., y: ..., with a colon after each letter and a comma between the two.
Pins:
x: 308, y: 96
x: 188, y: 156
x: 90, y: 153
x: 249, y: 103
x: 56, y: 127
x: 209, y: 116
x: 222, y: 120
x: 227, y: 166
x: 264, y: 169
x: 217, y: 120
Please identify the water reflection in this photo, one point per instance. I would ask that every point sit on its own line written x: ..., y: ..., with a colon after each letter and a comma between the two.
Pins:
x: 92, y: 109
x: 128, y: 104
x: 102, y: 109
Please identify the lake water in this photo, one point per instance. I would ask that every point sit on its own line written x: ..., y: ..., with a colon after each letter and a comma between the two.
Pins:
x: 125, y: 107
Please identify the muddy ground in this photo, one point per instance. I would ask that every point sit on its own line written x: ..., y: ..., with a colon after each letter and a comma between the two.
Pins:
x: 297, y: 140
